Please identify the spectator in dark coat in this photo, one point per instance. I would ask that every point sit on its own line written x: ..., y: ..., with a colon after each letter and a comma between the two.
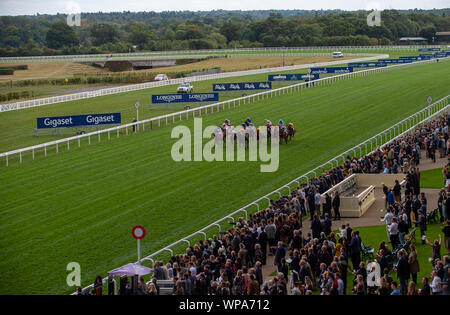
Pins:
x: 327, y: 206
x: 336, y: 204
x: 355, y: 251
x: 327, y: 225
x: 280, y: 252
x: 262, y: 240
x: 402, y: 269
x: 316, y: 227
x: 426, y: 289
x: 258, y: 273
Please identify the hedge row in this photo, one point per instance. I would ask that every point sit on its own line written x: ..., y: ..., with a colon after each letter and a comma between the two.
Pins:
x: 6, y: 71
x: 15, y: 95
x: 118, y: 65
x: 18, y: 67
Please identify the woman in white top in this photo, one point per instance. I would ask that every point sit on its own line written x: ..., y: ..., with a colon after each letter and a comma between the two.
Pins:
x: 436, y: 285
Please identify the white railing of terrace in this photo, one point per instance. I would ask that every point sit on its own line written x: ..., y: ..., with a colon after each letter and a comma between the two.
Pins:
x: 198, y: 111
x: 218, y: 51
x: 148, y: 85
x: 400, y: 129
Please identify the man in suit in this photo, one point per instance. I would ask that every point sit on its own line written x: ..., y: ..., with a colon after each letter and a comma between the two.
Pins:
x: 336, y: 204
x: 316, y: 227
x: 311, y: 204
x: 327, y: 206
x: 402, y: 269
x: 258, y: 273
x: 295, y: 263
x: 408, y: 209
x: 349, y: 231
x: 262, y: 240
x: 280, y: 252
x: 355, y: 251
x: 327, y: 225
x: 249, y: 245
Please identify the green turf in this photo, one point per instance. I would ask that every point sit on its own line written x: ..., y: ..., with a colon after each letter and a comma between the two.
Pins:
x: 432, y: 178
x: 373, y: 235
x: 80, y: 205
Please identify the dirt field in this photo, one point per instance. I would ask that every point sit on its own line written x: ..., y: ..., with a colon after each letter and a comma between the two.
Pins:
x: 244, y: 63
x: 41, y: 70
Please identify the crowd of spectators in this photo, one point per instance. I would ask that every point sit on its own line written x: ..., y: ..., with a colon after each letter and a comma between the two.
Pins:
x: 320, y: 261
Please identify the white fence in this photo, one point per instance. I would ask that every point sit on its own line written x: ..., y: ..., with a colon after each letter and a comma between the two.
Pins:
x: 197, y: 112
x: 148, y: 85
x: 385, y: 137
x: 218, y: 51
x: 137, y: 57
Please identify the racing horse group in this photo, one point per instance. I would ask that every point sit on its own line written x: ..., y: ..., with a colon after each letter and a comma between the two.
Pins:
x: 248, y: 131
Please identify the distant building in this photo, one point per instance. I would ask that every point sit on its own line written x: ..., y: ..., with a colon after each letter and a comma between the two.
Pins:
x: 442, y: 37
x: 412, y: 40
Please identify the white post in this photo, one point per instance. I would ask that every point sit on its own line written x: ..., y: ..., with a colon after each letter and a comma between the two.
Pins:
x: 139, y: 250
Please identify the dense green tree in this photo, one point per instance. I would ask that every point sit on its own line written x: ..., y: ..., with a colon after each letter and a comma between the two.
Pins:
x: 103, y: 33
x: 140, y: 35
x: 232, y: 30
x: 429, y: 32
x: 120, y: 31
x: 60, y: 35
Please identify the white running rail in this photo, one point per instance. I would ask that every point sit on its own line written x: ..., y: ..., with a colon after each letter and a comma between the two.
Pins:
x: 220, y: 51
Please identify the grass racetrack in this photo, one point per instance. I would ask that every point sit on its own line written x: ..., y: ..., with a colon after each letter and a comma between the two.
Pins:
x: 80, y: 206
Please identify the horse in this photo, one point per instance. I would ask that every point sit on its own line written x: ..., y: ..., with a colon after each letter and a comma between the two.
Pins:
x: 283, y: 135
x: 291, y: 131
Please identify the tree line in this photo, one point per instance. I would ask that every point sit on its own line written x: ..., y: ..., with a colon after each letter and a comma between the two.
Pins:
x: 137, y: 31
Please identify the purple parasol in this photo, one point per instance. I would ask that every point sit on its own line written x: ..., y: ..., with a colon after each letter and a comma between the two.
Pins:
x: 130, y: 270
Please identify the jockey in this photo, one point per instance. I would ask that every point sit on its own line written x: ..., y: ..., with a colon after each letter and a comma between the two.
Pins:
x: 281, y: 125
x: 226, y: 123
x: 248, y: 122
x: 268, y: 123
x: 291, y: 125
x: 244, y: 126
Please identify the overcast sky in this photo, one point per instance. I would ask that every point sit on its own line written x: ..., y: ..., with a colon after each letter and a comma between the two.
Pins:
x: 22, y: 7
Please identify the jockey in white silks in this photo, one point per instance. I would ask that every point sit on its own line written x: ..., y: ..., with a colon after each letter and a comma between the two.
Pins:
x: 226, y: 124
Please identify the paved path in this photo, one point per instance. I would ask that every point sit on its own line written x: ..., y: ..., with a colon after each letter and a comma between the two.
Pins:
x: 374, y: 213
